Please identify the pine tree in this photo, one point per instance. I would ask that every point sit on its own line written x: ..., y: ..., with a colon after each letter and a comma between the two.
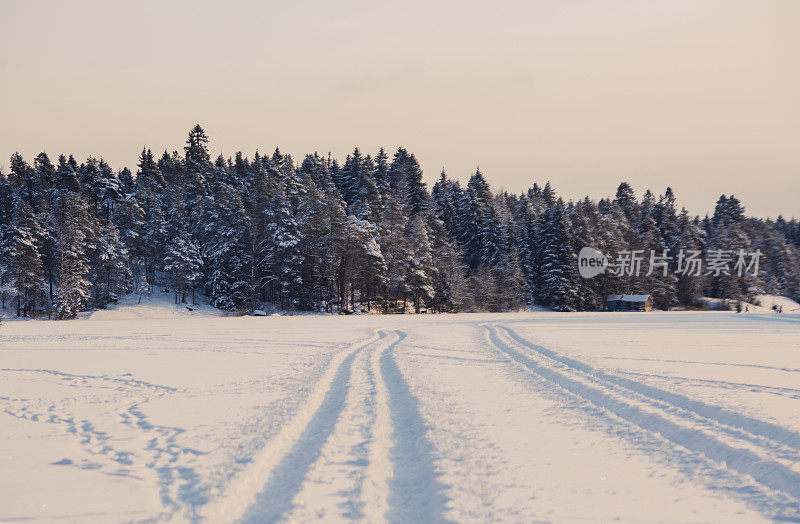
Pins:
x: 527, y: 241
x: 421, y: 270
x: 381, y: 168
x: 113, y: 268
x: 127, y: 185
x: 660, y: 282
x: 451, y: 288
x: 130, y: 220
x: 92, y: 184
x: 6, y: 215
x: 416, y: 191
x: 392, y: 242
x: 197, y: 172
x: 443, y: 203
x: 110, y: 191
x: 22, y: 264
x: 348, y: 179
x: 154, y: 235
x: 488, y: 243
x: 183, y: 261
x: 45, y: 172
x: 26, y: 183
x: 556, y: 267
x: 363, y: 265
x: 465, y: 230
x: 66, y: 179
x: 285, y: 259
x: 626, y: 200
x: 197, y: 146
x: 227, y: 247
x: 149, y: 176
x: 334, y: 248
x: 396, y: 174
x: 691, y: 237
x: 71, y: 221
x: 317, y: 168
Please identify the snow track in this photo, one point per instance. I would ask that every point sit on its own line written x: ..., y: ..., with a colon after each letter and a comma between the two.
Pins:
x: 729, y: 442
x: 416, y: 493
x: 356, y: 451
x: 237, y: 500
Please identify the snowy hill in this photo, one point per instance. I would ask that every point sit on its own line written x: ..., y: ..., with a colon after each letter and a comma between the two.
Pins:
x: 760, y: 304
x: 766, y: 302
x: 153, y: 306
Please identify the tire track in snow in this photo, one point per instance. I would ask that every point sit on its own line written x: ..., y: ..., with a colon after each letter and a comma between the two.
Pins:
x: 571, y: 376
x: 766, y: 430
x: 277, y: 496
x: 375, y: 484
x: 377, y: 464
x: 416, y: 495
x: 295, y: 443
x: 347, y: 480
x: 364, y: 455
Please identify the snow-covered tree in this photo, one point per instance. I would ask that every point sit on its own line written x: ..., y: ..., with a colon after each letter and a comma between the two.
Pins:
x: 22, y: 263
x: 72, y: 221
x: 421, y: 268
x: 183, y: 262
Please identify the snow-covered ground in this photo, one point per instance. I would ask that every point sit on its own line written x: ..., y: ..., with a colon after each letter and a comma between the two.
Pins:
x: 150, y: 412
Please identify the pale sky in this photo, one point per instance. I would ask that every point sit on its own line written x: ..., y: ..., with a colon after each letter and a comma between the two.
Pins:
x: 702, y: 95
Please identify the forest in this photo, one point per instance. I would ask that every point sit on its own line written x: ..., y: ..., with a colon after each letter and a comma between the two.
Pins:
x: 363, y: 234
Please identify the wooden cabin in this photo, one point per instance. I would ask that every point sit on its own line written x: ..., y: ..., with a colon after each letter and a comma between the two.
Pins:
x: 629, y: 303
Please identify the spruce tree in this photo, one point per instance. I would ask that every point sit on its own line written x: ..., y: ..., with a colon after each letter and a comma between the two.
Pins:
x: 22, y: 263
x: 72, y: 221
x: 556, y: 267
x: 182, y: 260
x: 285, y: 259
x: 421, y: 270
x: 113, y: 269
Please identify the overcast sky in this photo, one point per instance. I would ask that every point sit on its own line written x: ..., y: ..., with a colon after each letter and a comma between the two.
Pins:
x: 702, y: 95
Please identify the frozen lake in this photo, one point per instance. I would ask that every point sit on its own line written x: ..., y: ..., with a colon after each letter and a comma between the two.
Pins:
x: 130, y: 415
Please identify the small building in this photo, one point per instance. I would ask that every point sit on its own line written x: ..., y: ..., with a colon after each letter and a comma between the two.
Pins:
x: 629, y: 303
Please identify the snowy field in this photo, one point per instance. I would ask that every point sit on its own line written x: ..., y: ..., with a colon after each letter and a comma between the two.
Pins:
x: 150, y: 413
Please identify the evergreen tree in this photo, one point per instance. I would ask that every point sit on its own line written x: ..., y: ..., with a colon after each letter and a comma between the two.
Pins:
x: 626, y: 200
x: 183, y: 261
x: 285, y: 260
x: 556, y: 267
x: 421, y: 270
x: 149, y: 176
x: 113, y: 270
x: 362, y: 232
x: 488, y: 243
x: 66, y: 179
x: 228, y: 250
x: 381, y: 168
x: 71, y: 222
x: 392, y: 242
x: 22, y: 263
x: 27, y: 185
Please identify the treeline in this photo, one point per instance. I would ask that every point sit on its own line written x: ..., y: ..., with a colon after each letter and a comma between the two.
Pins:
x: 365, y: 233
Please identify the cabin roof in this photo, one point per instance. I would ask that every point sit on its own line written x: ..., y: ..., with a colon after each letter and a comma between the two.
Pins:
x: 628, y: 298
